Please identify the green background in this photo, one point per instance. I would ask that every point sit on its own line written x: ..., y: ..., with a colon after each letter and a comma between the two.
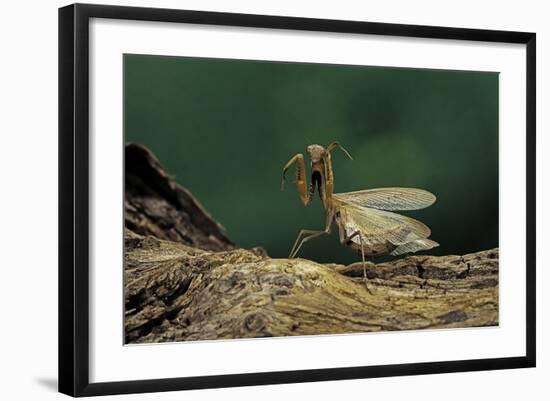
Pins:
x: 225, y: 129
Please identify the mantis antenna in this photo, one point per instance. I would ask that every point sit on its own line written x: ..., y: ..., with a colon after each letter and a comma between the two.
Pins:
x: 337, y: 145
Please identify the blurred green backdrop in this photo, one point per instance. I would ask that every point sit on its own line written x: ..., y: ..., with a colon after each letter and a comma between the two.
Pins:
x: 225, y: 128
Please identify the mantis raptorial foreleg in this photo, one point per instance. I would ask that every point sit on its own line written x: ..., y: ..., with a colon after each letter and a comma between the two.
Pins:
x: 345, y: 240
x: 329, y: 177
x: 310, y: 234
x: 300, y: 182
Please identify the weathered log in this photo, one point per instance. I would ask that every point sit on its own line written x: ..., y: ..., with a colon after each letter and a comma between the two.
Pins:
x: 155, y: 204
x: 199, y: 286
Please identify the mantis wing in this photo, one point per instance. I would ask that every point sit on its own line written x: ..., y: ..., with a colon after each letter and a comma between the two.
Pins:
x: 414, y: 246
x: 389, y: 198
x: 379, y: 226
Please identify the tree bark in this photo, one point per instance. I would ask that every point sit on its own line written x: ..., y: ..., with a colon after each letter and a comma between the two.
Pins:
x: 154, y: 204
x: 184, y: 280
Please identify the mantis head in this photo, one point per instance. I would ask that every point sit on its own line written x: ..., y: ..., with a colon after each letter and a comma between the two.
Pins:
x: 316, y: 153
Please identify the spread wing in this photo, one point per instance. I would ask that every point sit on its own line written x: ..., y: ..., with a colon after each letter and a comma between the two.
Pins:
x: 389, y: 198
x: 379, y: 226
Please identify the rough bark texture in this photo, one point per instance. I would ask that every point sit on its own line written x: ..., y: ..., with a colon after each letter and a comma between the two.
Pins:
x: 185, y: 281
x: 155, y: 204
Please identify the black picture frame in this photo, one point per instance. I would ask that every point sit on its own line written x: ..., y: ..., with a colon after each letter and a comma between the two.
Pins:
x: 74, y: 201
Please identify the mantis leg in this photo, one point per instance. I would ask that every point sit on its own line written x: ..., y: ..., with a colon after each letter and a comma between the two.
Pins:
x: 309, y: 234
x: 300, y: 182
x: 329, y: 175
x: 345, y: 239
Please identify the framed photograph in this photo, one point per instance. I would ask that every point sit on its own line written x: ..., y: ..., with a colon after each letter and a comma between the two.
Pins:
x: 251, y: 199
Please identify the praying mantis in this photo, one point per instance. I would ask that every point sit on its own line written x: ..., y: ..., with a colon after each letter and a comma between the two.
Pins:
x: 365, y: 219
